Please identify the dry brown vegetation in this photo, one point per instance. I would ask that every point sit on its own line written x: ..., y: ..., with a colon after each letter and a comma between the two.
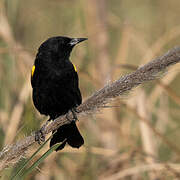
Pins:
x: 122, y: 35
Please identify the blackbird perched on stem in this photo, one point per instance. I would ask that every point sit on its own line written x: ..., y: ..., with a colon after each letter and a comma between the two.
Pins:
x: 55, y: 84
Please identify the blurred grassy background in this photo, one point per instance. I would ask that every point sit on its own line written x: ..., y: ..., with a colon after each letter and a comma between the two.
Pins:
x: 118, y: 145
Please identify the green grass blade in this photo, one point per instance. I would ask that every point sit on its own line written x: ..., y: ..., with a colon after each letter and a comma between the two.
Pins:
x: 26, y: 162
x: 45, y: 155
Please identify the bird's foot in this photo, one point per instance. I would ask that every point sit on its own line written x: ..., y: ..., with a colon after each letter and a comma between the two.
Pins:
x: 73, y: 111
x: 39, y: 135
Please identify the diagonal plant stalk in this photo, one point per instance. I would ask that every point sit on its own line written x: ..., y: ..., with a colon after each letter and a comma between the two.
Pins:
x: 32, y: 156
x: 41, y: 159
x: 150, y: 71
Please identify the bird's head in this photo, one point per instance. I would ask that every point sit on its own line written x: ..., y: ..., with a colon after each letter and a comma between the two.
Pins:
x: 59, y: 47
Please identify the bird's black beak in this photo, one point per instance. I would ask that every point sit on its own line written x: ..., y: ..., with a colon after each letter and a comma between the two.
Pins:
x: 75, y: 41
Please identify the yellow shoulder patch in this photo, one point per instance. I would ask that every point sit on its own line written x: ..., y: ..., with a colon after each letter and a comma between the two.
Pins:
x: 75, y: 68
x: 32, y: 71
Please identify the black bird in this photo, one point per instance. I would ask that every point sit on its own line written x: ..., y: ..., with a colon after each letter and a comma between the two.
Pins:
x: 55, y: 84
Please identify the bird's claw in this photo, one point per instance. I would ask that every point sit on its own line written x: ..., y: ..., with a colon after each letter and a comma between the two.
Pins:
x: 73, y: 111
x: 39, y: 136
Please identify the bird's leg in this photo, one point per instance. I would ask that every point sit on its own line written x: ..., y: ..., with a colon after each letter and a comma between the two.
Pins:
x: 69, y: 119
x: 39, y: 135
x: 73, y: 111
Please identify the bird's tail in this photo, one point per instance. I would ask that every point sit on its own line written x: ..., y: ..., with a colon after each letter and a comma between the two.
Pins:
x: 69, y: 132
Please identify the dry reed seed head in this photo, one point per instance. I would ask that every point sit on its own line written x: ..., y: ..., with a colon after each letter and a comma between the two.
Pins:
x: 13, y: 153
